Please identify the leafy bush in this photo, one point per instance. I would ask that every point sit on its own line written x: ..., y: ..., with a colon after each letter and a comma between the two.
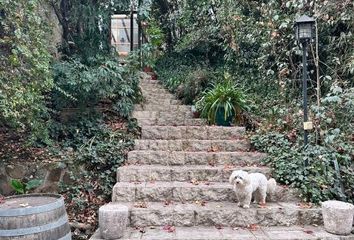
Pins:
x: 329, y: 174
x: 24, y: 68
x: 194, y: 83
x: 320, y: 180
x: 96, y: 150
x: 183, y: 74
x: 80, y: 85
x: 93, y: 149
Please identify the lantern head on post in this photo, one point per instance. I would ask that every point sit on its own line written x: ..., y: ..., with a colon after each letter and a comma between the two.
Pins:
x: 304, y: 28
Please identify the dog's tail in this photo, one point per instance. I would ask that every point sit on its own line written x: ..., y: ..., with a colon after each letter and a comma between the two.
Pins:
x: 271, y: 186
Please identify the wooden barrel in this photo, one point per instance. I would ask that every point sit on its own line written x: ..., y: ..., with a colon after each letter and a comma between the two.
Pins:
x: 34, y: 217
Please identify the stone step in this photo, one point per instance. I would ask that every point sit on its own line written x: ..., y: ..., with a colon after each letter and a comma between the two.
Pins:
x: 147, y: 87
x: 190, y: 173
x: 158, y: 107
x: 192, y: 145
x: 172, y: 121
x: 229, y: 233
x: 192, y: 132
x: 165, y: 102
x: 221, y: 214
x: 149, y: 82
x: 162, y: 114
x: 158, y: 96
x: 194, y: 158
x: 153, y: 89
x: 184, y: 192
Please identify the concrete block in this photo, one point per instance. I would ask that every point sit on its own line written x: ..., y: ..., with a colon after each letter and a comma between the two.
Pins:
x: 113, y: 220
x: 338, y: 217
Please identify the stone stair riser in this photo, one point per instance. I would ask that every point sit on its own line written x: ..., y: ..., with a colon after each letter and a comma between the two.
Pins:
x: 161, y: 114
x: 192, y: 145
x: 233, y: 217
x: 138, y: 173
x: 171, y: 122
x: 150, y: 82
x: 170, y: 108
x: 165, y: 102
x: 155, y: 192
x: 191, y: 132
x: 158, y: 95
x: 153, y: 90
x: 194, y: 158
x: 231, y: 233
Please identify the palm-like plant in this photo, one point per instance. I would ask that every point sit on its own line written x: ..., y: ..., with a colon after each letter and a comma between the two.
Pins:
x: 223, y: 98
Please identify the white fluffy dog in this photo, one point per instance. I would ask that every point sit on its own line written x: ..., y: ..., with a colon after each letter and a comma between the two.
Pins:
x: 247, y: 185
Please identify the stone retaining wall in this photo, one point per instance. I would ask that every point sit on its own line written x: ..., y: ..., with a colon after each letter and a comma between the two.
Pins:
x: 50, y: 173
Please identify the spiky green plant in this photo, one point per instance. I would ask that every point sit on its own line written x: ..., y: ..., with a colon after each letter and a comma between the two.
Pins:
x: 224, y: 96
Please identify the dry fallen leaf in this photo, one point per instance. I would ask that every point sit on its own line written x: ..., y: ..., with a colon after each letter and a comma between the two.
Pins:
x: 140, y: 229
x: 167, y: 203
x: 212, y: 163
x: 305, y: 205
x: 140, y: 205
x: 218, y: 226
x: 201, y: 203
x: 253, y: 227
x: 228, y: 166
x: 213, y: 149
x: 195, y: 181
x: 262, y: 205
x: 308, y: 231
x: 169, y: 228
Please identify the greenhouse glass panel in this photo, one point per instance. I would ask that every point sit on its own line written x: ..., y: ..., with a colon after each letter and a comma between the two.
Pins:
x: 121, y: 33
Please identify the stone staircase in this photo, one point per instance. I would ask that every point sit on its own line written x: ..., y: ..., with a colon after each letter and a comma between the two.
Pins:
x: 175, y: 182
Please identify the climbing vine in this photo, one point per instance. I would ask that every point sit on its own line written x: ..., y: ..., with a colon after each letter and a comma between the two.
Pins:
x: 24, y: 67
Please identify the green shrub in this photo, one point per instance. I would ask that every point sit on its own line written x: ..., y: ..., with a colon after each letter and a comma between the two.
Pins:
x: 194, y: 83
x: 319, y: 181
x: 80, y: 85
x: 96, y: 152
x: 329, y: 174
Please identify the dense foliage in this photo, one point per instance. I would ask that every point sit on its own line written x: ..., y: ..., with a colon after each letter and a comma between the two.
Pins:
x: 86, y: 25
x: 74, y: 105
x: 254, y: 41
x: 97, y: 149
x: 92, y: 147
x: 83, y: 86
x: 24, y: 67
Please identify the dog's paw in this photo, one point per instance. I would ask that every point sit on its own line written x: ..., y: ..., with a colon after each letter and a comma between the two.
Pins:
x: 239, y: 204
x: 246, y: 206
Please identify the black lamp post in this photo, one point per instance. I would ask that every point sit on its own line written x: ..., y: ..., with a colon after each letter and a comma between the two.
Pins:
x: 304, y: 31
